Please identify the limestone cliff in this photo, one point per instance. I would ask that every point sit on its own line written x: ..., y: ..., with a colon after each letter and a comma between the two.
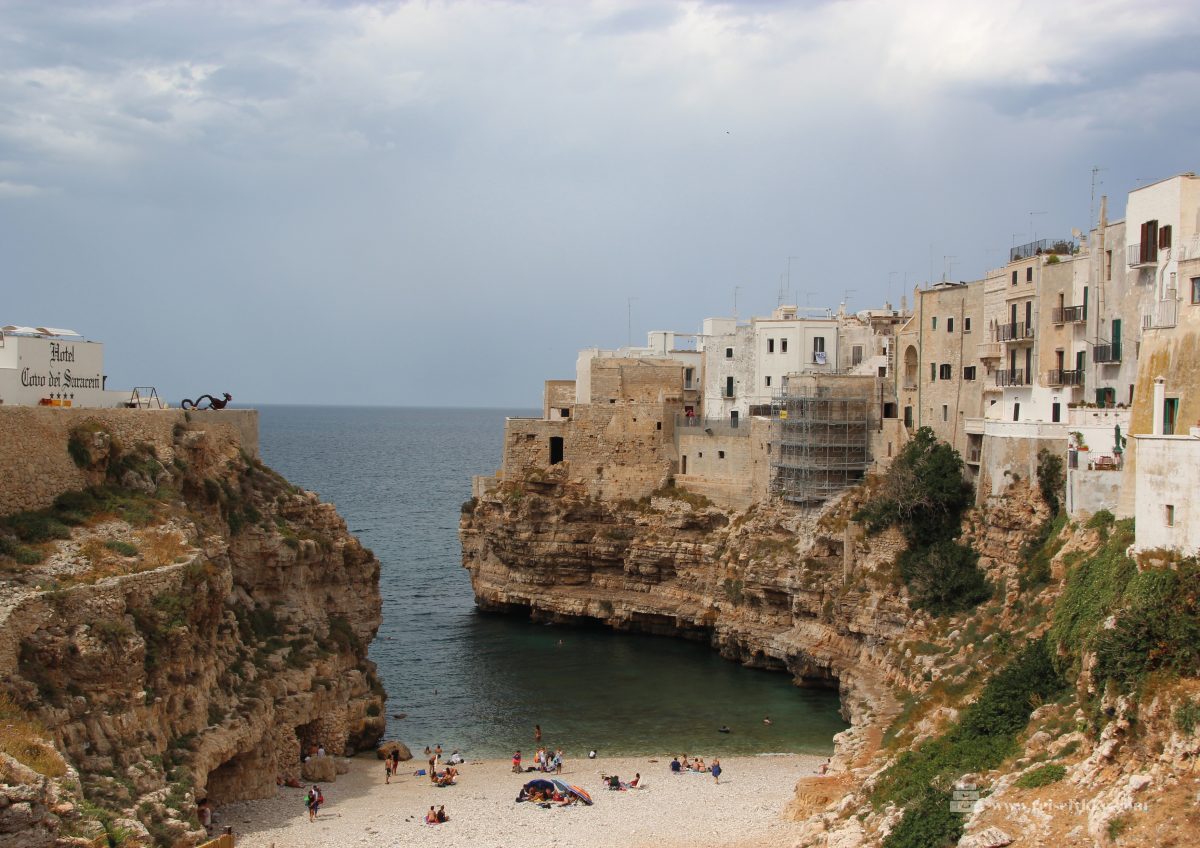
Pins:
x: 183, y: 628
x: 813, y: 594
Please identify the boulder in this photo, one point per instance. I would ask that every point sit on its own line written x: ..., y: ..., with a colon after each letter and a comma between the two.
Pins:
x: 319, y: 770
x: 992, y: 837
x: 385, y: 750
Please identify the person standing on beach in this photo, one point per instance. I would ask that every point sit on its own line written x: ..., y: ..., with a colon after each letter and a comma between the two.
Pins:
x: 716, y: 770
x: 516, y: 762
x: 537, y: 733
x: 558, y: 758
x: 313, y: 802
x: 396, y: 761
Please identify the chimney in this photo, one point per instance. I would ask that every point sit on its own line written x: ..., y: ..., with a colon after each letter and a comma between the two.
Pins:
x: 1160, y: 396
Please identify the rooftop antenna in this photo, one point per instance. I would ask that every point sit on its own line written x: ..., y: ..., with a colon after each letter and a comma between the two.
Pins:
x: 736, y: 289
x: 846, y: 296
x: 1096, y: 169
x: 1032, y: 231
x: 891, y: 274
x: 629, y: 320
x: 789, y: 277
x: 779, y: 300
x: 947, y: 266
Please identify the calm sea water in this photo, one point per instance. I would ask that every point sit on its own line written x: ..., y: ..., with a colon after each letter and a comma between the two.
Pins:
x: 479, y: 682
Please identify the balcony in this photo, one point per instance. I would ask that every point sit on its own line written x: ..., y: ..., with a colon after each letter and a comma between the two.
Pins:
x: 1018, y: 332
x: 1106, y: 353
x: 1061, y: 377
x: 1012, y: 377
x: 989, y: 350
x: 1141, y: 254
x: 1069, y: 315
x: 1063, y: 247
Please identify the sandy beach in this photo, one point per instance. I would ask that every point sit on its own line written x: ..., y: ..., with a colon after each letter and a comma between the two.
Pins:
x: 673, y: 811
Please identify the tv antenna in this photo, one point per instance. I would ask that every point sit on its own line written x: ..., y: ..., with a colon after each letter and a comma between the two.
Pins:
x: 736, y: 289
x: 947, y: 267
x: 629, y: 320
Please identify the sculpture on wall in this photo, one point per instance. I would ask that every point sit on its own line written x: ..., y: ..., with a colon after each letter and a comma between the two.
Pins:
x: 213, y: 403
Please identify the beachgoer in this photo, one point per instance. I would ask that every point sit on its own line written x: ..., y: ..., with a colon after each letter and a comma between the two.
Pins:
x: 766, y: 719
x: 558, y: 760
x: 387, y: 770
x: 716, y: 770
x: 516, y: 762
x: 433, y: 768
x: 396, y: 761
x: 321, y: 751
x: 592, y: 754
x: 438, y: 751
x: 675, y: 767
x: 455, y: 758
x: 441, y: 814
x: 204, y: 813
x: 824, y: 766
x: 428, y: 750
x: 431, y: 816
x: 313, y: 801
x: 637, y: 778
x: 537, y: 733
x: 724, y: 728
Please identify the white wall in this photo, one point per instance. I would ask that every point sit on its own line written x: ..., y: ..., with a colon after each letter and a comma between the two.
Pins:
x: 1168, y: 472
x: 34, y: 368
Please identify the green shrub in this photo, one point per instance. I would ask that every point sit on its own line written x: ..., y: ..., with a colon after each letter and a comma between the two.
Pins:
x: 944, y: 578
x: 373, y: 710
x: 78, y: 449
x: 1051, y: 479
x: 27, y: 556
x: 36, y: 527
x: 1102, y: 518
x: 1157, y: 629
x: 343, y: 635
x: 1042, y: 776
x: 123, y: 548
x: 1187, y: 716
x: 468, y: 506
x: 927, y: 823
x: 1038, y: 552
x: 984, y: 736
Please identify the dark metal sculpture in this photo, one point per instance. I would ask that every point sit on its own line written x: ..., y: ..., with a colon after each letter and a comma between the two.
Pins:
x: 213, y: 403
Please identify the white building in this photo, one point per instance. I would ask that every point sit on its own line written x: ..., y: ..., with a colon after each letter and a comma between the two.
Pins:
x: 48, y: 366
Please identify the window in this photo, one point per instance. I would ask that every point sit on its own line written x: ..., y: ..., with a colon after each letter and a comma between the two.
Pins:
x: 889, y: 410
x: 1195, y: 289
x: 564, y: 412
x: 945, y: 412
x: 932, y: 370
x: 556, y: 450
x: 783, y: 345
x: 720, y: 454
x: 1029, y: 274
x: 728, y: 387
x: 949, y: 325
x: 1107, y: 265
x: 969, y: 373
x: 908, y: 419
x: 946, y: 371
x: 733, y: 418
x: 856, y: 355
x: 935, y: 322
x: 966, y: 325
x: 818, y: 344
x: 688, y: 375
x: 1170, y: 413
x: 768, y: 379
x: 1056, y: 412
x: 1016, y: 412
x: 729, y: 353
x: 770, y: 345
x: 1014, y: 280
x: 1169, y: 514
x: 683, y: 468
x: 1148, y: 249
x: 1164, y: 237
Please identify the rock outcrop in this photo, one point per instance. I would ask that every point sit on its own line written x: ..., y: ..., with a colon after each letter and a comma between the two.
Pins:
x: 200, y: 626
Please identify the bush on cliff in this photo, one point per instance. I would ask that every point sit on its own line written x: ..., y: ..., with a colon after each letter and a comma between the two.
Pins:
x: 925, y: 495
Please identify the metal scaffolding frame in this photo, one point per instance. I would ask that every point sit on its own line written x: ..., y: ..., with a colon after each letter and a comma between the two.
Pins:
x: 819, y: 441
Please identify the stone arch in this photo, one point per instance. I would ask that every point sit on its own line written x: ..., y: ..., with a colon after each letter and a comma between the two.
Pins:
x: 910, y: 366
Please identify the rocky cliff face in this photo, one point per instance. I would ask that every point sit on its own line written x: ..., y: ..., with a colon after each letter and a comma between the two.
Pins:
x: 183, y: 629
x: 811, y: 594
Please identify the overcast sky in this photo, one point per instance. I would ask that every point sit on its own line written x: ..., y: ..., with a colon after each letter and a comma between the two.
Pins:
x: 440, y: 203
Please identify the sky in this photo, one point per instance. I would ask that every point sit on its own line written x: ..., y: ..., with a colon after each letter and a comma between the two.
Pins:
x: 440, y: 203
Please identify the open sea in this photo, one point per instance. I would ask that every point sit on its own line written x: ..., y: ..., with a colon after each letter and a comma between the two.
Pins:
x: 479, y: 682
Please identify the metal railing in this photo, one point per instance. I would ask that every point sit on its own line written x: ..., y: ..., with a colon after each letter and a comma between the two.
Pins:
x: 1014, y: 332
x: 1064, y: 377
x: 1064, y: 247
x: 1135, y: 255
x: 1012, y: 377
x: 1107, y: 353
x: 1069, y: 314
x: 1166, y: 311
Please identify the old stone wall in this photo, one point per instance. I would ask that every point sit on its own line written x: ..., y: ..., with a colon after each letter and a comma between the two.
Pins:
x: 558, y: 395
x: 35, y: 467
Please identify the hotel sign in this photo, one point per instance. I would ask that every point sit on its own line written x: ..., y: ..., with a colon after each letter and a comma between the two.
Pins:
x: 51, y: 371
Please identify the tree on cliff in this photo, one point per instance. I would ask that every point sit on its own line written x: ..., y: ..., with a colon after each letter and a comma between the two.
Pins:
x: 925, y: 495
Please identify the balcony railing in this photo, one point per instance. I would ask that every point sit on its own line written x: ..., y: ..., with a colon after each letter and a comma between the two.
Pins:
x: 1069, y: 314
x: 1012, y: 377
x: 694, y: 426
x: 1061, y: 377
x: 1166, y: 311
x: 1107, y: 353
x: 1064, y: 247
x: 1014, y: 332
x: 1142, y: 254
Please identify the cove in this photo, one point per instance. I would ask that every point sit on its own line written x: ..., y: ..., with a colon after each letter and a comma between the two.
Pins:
x: 479, y: 682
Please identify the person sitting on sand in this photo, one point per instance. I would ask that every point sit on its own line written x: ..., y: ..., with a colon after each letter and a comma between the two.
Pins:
x: 455, y: 759
x: 516, y: 762
x: 637, y: 779
x: 441, y: 815
x: 676, y: 768
x: 699, y: 765
x: 431, y: 817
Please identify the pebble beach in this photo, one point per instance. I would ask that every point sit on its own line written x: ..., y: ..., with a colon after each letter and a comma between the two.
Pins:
x: 672, y: 811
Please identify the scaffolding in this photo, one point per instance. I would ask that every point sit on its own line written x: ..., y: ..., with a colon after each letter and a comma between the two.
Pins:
x: 820, y: 440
